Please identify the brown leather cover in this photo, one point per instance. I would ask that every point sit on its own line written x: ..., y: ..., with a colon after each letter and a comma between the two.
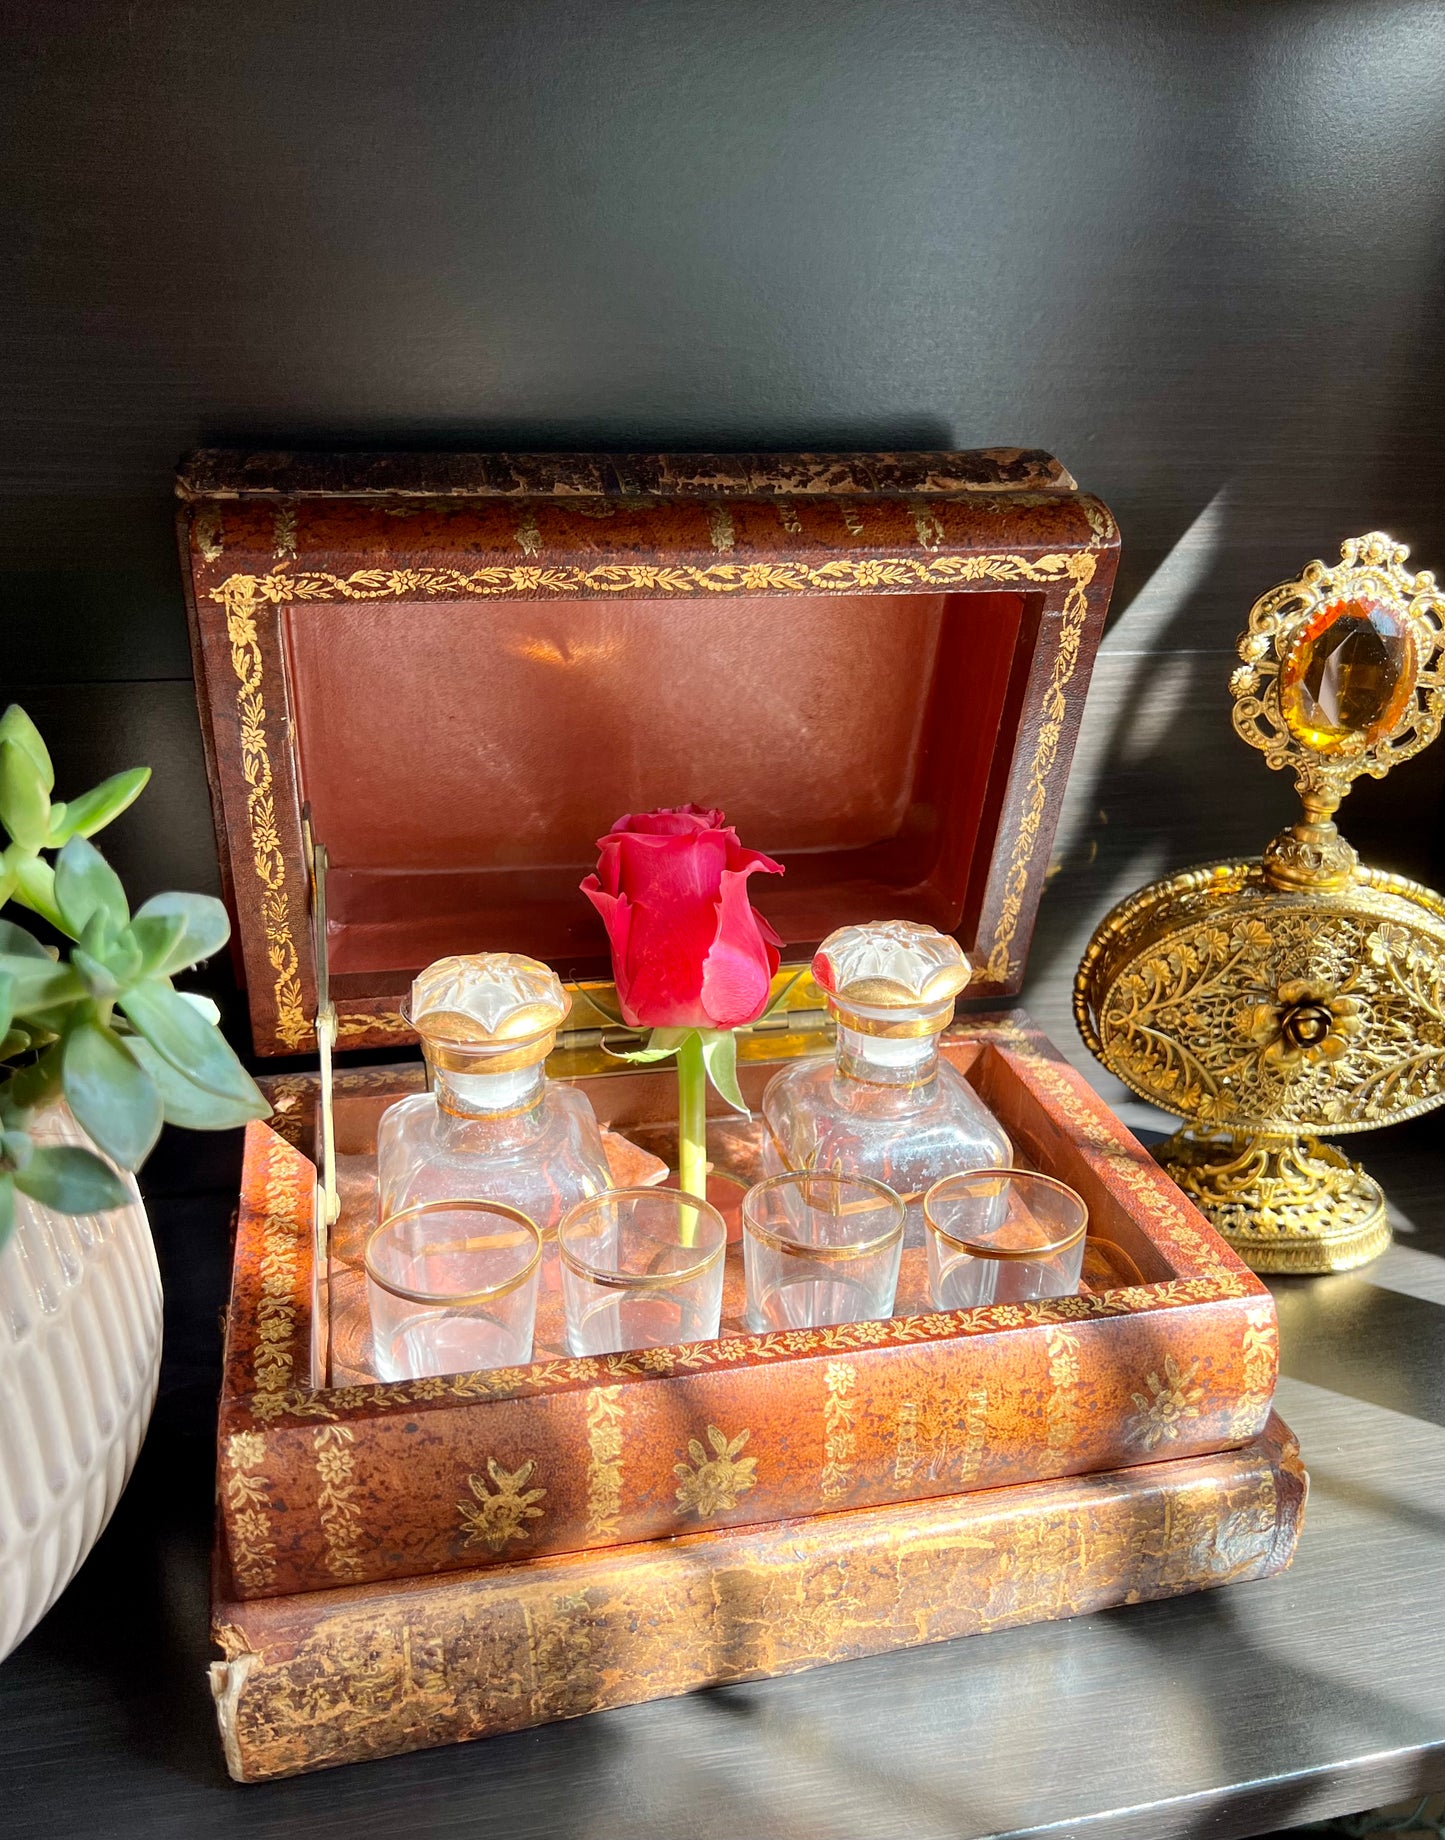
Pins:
x: 467, y: 666
x: 1173, y: 1353
x: 336, y: 1676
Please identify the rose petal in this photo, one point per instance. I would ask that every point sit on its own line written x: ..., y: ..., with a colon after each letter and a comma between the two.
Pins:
x: 609, y: 864
x: 738, y: 971
x: 740, y: 858
x: 669, y: 821
x: 742, y: 861
x: 666, y: 953
x: 688, y: 950
x: 661, y: 871
x: 616, y: 912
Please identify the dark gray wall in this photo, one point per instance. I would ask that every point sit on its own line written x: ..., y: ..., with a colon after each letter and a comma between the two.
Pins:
x: 1195, y: 250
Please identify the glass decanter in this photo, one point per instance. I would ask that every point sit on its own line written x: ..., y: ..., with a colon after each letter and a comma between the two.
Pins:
x: 884, y: 1103
x: 492, y: 1127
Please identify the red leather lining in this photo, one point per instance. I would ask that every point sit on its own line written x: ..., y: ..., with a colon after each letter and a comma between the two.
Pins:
x: 461, y: 757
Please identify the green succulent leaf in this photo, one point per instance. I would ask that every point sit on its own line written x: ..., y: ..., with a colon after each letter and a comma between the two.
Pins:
x: 31, y: 1086
x: 7, y: 1208
x: 203, y: 1006
x: 16, y: 727
x: 93, y: 810
x: 204, y: 928
x: 156, y: 937
x: 110, y: 1093
x: 192, y: 1045
x: 97, y: 934
x: 190, y: 1106
x: 15, y: 940
x: 109, y: 960
x: 100, y: 980
x: 35, y: 888
x: 87, y: 886
x: 71, y: 1180
x: 7, y: 1002
x: 15, y: 1041
x: 24, y: 800
x: 720, y: 1057
x: 16, y: 1147
x: 41, y: 983
x: 43, y: 1025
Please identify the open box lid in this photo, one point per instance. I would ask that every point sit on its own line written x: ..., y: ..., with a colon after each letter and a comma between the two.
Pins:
x: 463, y: 668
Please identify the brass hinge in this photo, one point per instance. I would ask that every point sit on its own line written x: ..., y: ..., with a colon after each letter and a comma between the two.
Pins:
x: 623, y: 1040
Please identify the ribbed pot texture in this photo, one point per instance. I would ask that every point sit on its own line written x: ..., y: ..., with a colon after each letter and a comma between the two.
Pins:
x: 80, y: 1351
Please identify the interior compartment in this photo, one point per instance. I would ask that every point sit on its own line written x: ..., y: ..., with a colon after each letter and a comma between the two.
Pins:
x: 460, y: 758
x: 642, y: 1107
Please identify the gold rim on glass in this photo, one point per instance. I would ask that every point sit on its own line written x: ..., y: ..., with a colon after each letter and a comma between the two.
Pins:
x: 880, y: 1191
x: 1007, y: 1177
x: 642, y: 1280
x: 456, y: 1299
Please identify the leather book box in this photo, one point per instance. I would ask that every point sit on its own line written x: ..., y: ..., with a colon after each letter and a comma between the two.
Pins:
x: 454, y: 672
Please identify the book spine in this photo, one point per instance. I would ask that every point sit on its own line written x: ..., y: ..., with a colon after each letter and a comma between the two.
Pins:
x: 216, y: 473
x: 451, y: 1483
x: 331, y: 1677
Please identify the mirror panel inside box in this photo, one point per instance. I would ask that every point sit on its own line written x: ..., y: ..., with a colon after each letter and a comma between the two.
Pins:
x: 463, y: 668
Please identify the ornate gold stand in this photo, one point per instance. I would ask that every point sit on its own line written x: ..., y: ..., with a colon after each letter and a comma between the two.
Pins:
x: 1284, y: 1203
x: 1268, y: 999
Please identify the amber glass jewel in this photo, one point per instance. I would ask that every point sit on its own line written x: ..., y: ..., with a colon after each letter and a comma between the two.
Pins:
x: 1348, y: 677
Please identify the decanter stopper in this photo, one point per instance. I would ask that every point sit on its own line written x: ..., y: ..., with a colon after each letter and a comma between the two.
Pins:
x: 891, y: 977
x: 487, y: 1011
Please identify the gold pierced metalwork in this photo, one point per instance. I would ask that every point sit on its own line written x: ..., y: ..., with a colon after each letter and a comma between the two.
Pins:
x: 1371, y: 571
x: 1264, y: 1000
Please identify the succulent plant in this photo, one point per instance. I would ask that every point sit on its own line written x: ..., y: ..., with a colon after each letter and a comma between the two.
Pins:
x: 107, y: 1030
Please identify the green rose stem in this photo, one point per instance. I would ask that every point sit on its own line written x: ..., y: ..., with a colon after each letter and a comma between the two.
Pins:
x: 691, y: 1125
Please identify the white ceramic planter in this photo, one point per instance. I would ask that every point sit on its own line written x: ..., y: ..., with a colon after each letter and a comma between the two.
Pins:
x: 80, y: 1352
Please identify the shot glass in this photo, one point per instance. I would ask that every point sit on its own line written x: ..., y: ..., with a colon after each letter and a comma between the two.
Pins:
x: 641, y: 1268
x: 1002, y: 1236
x: 452, y: 1287
x: 820, y: 1248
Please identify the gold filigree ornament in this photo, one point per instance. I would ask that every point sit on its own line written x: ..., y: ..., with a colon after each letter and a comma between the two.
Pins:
x: 503, y: 1506
x: 1266, y: 999
x: 711, y: 1483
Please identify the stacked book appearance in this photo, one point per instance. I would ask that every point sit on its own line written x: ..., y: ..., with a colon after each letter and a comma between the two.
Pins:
x: 414, y: 1564
x: 876, y: 664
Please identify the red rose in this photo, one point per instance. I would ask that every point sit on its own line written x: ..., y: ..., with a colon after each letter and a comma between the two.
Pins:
x: 688, y: 952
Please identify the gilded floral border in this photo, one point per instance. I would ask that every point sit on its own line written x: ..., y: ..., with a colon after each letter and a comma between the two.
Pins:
x: 268, y: 859
x: 288, y: 1187
x: 1081, y: 568
x: 541, y: 1377
x: 244, y: 595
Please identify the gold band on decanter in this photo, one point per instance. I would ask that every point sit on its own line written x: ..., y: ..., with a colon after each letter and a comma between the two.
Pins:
x: 889, y: 1027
